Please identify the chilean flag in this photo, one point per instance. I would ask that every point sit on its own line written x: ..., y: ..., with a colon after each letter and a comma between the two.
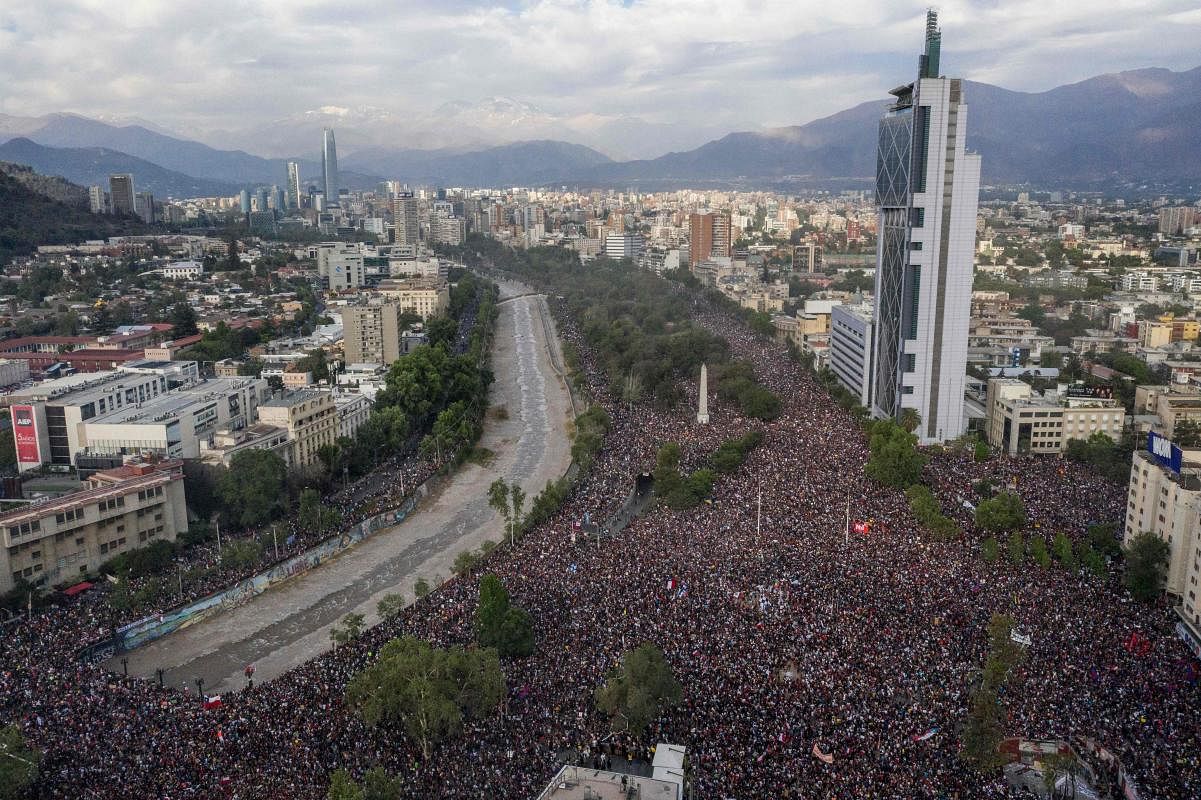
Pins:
x: 212, y: 702
x: 671, y: 584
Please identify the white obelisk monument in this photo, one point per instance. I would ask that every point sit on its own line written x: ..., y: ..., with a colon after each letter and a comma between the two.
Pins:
x: 702, y: 411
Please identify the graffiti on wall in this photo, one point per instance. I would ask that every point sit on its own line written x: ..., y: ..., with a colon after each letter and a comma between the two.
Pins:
x: 147, y: 630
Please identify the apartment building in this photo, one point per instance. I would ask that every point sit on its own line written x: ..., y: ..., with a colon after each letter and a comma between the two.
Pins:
x: 371, y: 333
x: 424, y: 297
x: 309, y: 417
x: 66, y: 538
x: 1020, y: 421
x: 1165, y: 499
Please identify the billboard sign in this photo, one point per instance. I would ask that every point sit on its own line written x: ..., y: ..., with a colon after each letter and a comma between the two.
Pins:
x: 1163, y: 451
x: 25, y: 433
x: 1095, y: 392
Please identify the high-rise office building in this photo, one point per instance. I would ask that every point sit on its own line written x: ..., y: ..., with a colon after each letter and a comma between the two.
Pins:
x: 710, y: 237
x: 122, y: 197
x: 329, y: 167
x: 244, y: 201
x: 144, y: 204
x: 927, y: 194
x: 97, y: 201
x: 293, y: 200
x: 406, y: 223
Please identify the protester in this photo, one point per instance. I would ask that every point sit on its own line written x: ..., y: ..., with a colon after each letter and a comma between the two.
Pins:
x: 815, y: 663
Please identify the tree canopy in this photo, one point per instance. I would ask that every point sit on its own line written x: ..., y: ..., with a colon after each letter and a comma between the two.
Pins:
x: 500, y: 624
x: 895, y: 460
x: 252, y: 489
x: 639, y: 690
x: 425, y: 691
x: 1002, y: 513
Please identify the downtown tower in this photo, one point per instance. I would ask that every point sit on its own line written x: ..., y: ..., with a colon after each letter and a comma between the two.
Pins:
x: 927, y: 193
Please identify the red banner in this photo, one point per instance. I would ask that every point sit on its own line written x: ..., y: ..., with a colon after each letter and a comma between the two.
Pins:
x: 25, y: 432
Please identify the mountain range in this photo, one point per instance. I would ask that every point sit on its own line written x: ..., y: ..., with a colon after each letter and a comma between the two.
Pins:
x: 1124, y: 129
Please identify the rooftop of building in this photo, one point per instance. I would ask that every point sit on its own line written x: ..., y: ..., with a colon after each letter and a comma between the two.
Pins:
x: 579, y: 783
x: 85, y: 497
x: 292, y: 398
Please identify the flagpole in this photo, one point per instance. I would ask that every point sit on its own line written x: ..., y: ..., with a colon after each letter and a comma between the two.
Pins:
x: 759, y: 512
x: 846, y: 536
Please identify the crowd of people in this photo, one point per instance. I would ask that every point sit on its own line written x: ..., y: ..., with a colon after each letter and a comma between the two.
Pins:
x: 814, y: 663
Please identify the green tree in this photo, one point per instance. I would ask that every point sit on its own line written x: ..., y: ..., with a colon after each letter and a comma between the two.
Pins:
x: 1062, y: 547
x: 252, y: 489
x: 379, y: 784
x: 981, y: 451
x: 342, y: 786
x: 427, y: 692
x: 390, y: 605
x: 895, y: 460
x: 983, y: 729
x: 421, y: 588
x: 1004, y: 512
x: 19, y: 763
x: 464, y: 562
x: 640, y: 690
x: 1103, y: 537
x: 501, y: 625
x: 1093, y: 561
x: 183, y: 320
x: 350, y: 629
x: 1016, y: 548
x: 1187, y: 433
x: 1146, y: 564
x: 1038, y: 552
x: 990, y: 550
x: 241, y: 553
x: 910, y: 419
x: 8, y: 451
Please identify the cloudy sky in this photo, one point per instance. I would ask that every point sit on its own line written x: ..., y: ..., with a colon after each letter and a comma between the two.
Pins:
x: 733, y: 64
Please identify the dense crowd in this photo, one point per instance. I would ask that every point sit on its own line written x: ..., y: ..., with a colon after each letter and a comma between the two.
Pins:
x: 790, y: 637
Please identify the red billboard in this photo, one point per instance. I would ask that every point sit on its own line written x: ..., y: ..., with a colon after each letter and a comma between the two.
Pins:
x: 25, y: 432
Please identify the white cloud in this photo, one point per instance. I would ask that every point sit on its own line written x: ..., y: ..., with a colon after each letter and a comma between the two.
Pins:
x: 220, y: 64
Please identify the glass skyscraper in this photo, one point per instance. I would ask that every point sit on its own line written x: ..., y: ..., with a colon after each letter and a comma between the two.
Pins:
x: 927, y: 193
x: 329, y: 167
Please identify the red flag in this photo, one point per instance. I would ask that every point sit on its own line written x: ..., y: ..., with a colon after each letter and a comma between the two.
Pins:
x: 861, y: 527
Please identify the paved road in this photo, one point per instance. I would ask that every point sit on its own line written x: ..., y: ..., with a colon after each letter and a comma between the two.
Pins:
x: 290, y: 624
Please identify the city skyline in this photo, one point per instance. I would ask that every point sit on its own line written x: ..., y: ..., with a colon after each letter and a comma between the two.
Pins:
x: 727, y: 69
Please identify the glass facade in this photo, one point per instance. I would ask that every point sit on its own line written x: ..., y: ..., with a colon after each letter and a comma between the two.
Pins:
x: 893, y: 158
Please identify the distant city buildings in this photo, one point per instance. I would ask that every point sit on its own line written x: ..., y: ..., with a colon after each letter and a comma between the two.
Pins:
x: 710, y: 237
x: 122, y: 198
x: 293, y: 196
x: 329, y: 167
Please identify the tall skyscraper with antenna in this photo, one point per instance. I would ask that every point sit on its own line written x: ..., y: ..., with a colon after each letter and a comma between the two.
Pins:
x: 293, y: 200
x: 329, y: 167
x: 927, y: 193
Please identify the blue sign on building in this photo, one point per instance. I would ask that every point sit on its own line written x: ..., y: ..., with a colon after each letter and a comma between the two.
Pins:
x: 1163, y: 451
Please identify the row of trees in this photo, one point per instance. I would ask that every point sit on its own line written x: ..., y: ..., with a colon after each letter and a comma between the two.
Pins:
x: 638, y: 324
x: 676, y: 490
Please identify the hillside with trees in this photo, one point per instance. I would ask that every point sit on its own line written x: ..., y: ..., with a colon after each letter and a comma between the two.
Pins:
x: 29, y: 218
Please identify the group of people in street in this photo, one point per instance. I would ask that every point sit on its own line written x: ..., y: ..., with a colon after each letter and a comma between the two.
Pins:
x: 815, y: 662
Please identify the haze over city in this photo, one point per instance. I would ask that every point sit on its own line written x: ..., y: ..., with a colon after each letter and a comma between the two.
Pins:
x: 676, y: 73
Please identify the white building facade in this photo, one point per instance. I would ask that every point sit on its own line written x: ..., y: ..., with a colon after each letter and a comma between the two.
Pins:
x: 927, y: 190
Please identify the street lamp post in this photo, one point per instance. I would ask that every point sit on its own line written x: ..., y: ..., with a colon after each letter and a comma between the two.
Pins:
x: 200, y: 688
x: 159, y: 673
x: 125, y: 666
